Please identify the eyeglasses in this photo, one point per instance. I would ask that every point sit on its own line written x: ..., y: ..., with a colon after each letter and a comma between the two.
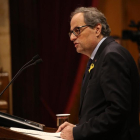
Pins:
x: 77, y: 30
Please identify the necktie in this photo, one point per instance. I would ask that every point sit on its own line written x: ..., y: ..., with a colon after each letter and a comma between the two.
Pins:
x: 87, y: 68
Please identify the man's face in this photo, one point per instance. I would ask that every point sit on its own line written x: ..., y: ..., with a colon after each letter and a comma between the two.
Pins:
x: 87, y: 40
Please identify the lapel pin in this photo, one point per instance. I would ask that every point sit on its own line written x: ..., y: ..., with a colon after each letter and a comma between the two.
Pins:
x: 91, y: 67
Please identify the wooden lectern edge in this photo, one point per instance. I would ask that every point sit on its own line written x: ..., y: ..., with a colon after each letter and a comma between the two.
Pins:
x: 49, y: 129
x: 6, y: 133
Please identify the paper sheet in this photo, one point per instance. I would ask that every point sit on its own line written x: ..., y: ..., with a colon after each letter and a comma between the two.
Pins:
x: 39, y: 134
x: 46, y: 137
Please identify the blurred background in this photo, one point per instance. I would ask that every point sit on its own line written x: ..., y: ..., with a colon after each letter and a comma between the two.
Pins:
x: 30, y: 27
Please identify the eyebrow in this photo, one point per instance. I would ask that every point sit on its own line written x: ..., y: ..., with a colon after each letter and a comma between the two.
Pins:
x: 74, y: 28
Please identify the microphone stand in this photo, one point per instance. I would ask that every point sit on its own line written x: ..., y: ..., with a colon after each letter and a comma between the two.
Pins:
x: 22, y: 69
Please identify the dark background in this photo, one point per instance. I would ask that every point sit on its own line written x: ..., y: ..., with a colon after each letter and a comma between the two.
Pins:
x: 41, y: 27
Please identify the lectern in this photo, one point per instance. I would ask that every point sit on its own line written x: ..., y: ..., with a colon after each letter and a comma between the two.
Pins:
x: 7, y: 121
x: 7, y: 134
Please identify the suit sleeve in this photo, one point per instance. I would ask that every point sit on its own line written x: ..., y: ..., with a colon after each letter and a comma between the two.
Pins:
x: 116, y: 86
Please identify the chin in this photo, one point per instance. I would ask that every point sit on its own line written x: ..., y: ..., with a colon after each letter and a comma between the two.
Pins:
x: 79, y: 50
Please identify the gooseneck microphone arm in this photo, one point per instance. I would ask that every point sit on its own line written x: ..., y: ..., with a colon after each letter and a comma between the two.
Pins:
x: 21, y: 70
x: 33, y: 59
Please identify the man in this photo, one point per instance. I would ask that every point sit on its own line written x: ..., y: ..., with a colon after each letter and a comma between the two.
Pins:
x: 110, y: 88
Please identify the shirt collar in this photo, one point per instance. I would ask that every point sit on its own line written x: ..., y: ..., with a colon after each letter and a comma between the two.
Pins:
x: 96, y: 48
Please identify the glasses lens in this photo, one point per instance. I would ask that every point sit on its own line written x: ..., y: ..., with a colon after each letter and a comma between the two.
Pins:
x: 70, y: 33
x: 76, y: 31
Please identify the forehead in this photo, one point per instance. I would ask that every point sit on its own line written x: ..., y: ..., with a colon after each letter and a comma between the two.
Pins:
x: 77, y: 20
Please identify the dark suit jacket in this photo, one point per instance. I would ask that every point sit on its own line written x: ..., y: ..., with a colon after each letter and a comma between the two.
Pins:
x: 109, y: 96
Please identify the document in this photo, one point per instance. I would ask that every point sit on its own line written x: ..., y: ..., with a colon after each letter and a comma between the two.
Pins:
x: 39, y: 134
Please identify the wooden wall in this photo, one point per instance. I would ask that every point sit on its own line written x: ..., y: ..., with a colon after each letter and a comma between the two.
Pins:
x: 118, y: 14
x: 5, y: 50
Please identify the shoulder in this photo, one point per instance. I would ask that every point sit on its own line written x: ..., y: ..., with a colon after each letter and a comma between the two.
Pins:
x: 113, y: 49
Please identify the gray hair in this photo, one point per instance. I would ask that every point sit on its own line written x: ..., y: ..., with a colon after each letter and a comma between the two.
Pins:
x: 92, y: 17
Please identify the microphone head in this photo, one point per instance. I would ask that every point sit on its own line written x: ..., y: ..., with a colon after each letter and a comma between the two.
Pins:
x: 38, y: 61
x: 35, y: 57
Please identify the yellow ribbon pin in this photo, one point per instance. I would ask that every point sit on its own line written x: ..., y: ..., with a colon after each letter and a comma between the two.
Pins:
x: 91, y: 67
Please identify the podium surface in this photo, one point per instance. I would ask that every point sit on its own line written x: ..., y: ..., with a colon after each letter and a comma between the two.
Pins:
x: 7, y: 134
x: 7, y: 121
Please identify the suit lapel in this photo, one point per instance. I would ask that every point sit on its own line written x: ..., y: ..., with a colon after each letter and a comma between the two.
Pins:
x: 84, y: 87
x: 95, y: 60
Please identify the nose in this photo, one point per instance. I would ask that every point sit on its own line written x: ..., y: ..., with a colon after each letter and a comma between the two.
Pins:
x: 73, y: 37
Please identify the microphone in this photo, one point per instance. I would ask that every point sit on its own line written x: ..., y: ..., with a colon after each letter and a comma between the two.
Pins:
x: 28, y: 64
x: 32, y: 60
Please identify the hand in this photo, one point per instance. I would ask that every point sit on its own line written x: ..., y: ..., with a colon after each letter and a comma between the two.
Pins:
x: 62, y: 126
x: 67, y: 133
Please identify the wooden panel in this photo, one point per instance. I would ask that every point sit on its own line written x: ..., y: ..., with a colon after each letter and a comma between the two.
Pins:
x: 4, y: 98
x: 131, y: 12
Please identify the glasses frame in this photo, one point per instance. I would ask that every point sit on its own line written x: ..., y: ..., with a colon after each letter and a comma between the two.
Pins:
x: 79, y: 30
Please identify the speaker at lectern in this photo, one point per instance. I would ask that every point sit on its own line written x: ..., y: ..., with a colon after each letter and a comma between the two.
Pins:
x: 7, y: 120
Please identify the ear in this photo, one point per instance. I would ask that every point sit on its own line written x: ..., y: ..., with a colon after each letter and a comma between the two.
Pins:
x: 98, y: 29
